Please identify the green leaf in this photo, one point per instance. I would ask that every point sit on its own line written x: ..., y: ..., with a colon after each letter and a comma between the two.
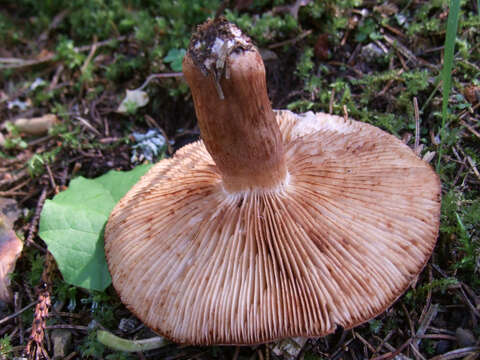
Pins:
x: 72, y: 224
x: 175, y: 58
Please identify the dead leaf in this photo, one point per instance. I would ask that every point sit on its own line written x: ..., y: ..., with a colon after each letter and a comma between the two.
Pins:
x: 45, y: 54
x: 10, y: 249
x: 9, y: 209
x: 133, y: 100
x: 472, y: 94
x: 288, y: 348
x: 321, y: 47
x: 386, y: 9
x: 36, y: 126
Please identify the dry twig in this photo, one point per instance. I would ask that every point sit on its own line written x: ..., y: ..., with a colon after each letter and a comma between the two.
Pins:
x: 417, y: 126
x: 291, y: 41
x: 15, y: 314
x: 15, y: 63
x: 33, y: 224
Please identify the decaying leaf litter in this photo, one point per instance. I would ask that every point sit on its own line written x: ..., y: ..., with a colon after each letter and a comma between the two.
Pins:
x: 372, y: 65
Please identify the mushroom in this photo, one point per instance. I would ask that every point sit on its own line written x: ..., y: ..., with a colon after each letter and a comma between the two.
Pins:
x: 276, y: 224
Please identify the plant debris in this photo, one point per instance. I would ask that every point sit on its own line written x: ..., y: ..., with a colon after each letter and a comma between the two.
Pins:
x: 36, y: 126
x: 10, y: 249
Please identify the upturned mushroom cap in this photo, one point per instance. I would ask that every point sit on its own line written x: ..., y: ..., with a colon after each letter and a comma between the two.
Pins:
x: 334, y: 243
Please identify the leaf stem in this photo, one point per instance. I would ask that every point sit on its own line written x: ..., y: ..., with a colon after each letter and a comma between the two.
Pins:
x: 119, y: 344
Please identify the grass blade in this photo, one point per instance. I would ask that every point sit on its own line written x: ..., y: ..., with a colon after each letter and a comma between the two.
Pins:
x: 452, y: 25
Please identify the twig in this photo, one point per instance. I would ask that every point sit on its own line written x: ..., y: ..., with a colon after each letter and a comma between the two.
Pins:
x: 341, y: 345
x: 350, y: 67
x: 455, y: 152
x: 434, y: 49
x: 14, y: 63
x: 221, y: 8
x: 67, y: 326
x: 71, y: 356
x: 9, y: 317
x: 33, y: 224
x: 383, y: 341
x: 458, y: 353
x: 39, y: 140
x: 389, y: 83
x: 332, y: 98
x: 345, y: 113
x: 441, y: 331
x: 354, y: 54
x: 402, y: 49
x: 417, y: 124
x: 109, y: 140
x: 416, y: 352
x: 410, y: 323
x: 50, y: 176
x: 159, y: 76
x: 471, y: 129
x: 473, y: 309
x: 17, y: 300
x: 23, y: 63
x: 438, y: 337
x: 15, y: 188
x: 365, y: 342
x: 469, y: 160
x: 429, y: 296
x: 10, y: 179
x: 291, y: 41
x: 428, y: 318
x: 472, y: 164
x: 13, y: 193
x: 391, y: 355
x: 260, y: 354
x: 402, y: 61
x: 90, y: 55
x: 381, y: 46
x: 393, y: 30
x: 459, y: 173
x: 53, y: 24
x: 66, y: 314
x: 235, y: 354
x: 88, y: 125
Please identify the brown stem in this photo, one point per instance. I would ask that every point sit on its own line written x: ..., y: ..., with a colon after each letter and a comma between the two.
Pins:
x: 234, y: 113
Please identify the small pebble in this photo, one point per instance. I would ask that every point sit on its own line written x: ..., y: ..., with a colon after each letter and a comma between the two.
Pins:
x: 62, y: 340
x: 371, y: 52
x: 127, y: 325
x: 464, y: 337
